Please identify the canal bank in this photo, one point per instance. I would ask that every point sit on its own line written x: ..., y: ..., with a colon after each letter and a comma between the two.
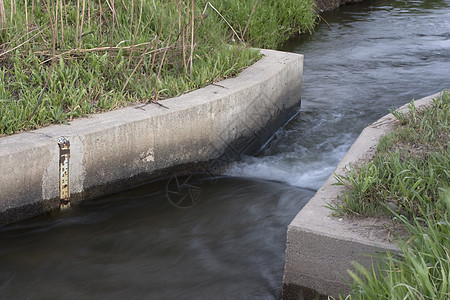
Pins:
x: 117, y: 150
x: 321, y: 247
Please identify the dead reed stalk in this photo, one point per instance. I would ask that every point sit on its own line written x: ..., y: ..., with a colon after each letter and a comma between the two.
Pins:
x: 13, y: 3
x: 250, y: 18
x: 100, y: 22
x: 132, y: 14
x: 223, y: 18
x: 61, y: 19
x: 192, y: 37
x: 136, y: 31
x: 2, y: 15
x: 184, y: 34
x: 26, y: 14
x: 82, y: 22
x: 77, y: 29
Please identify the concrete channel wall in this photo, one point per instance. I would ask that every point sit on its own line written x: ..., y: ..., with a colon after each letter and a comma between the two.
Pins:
x: 320, y: 247
x: 114, y: 151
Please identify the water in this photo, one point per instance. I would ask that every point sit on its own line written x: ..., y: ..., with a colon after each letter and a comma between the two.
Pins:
x: 135, y: 245
x: 376, y: 56
x: 372, y: 57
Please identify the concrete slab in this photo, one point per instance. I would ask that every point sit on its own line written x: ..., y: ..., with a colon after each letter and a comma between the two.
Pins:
x: 123, y: 148
x: 320, y: 247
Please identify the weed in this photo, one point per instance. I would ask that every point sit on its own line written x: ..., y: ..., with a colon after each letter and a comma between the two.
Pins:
x: 421, y: 270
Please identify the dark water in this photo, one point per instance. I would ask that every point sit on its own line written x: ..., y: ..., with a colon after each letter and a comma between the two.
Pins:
x: 135, y: 245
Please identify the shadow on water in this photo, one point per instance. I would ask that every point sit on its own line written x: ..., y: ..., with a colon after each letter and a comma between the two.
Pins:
x: 372, y: 57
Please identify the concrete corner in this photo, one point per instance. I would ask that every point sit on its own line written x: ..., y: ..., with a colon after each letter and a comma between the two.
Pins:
x: 321, y: 248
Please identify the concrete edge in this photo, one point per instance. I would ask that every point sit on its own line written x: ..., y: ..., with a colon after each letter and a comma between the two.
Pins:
x: 120, y: 149
x: 320, y: 247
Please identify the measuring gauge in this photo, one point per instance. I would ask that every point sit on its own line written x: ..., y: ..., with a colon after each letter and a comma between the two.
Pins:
x: 64, y: 183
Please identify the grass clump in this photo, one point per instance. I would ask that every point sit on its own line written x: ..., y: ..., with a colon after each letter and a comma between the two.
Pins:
x: 63, y: 59
x: 409, y: 169
x: 268, y: 23
x: 422, y: 268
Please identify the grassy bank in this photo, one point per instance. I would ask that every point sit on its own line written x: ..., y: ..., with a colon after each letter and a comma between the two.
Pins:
x: 410, y: 168
x: 408, y: 179
x: 421, y: 270
x: 63, y: 59
x: 268, y: 23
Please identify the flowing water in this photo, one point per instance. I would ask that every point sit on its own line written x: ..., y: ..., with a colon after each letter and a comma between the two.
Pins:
x: 371, y: 57
x: 367, y: 59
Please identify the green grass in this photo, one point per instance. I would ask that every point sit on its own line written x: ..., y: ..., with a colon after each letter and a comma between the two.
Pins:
x: 422, y: 268
x: 64, y: 59
x: 411, y: 169
x: 272, y: 21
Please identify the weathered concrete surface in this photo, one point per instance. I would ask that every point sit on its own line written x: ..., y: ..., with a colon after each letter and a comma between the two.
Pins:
x: 326, y: 5
x: 320, y: 247
x: 126, y: 147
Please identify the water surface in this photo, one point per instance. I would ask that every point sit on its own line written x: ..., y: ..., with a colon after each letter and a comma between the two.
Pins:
x: 367, y: 59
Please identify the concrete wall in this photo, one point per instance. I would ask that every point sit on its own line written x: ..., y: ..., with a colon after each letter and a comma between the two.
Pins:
x: 320, y: 247
x: 119, y: 149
